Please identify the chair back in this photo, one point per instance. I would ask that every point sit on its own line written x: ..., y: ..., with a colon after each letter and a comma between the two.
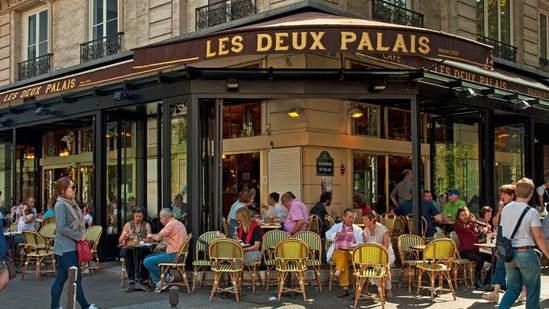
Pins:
x: 48, y: 230
x: 183, y: 252
x: 270, y: 240
x: 13, y: 228
x: 440, y: 251
x: 315, y: 224
x: 330, y: 221
x: 291, y: 254
x: 389, y: 222
x: 410, y: 222
x: 313, y: 241
x: 404, y: 246
x: 93, y: 233
x: 37, y: 226
x: 226, y: 253
x: 203, y: 242
x: 358, y: 217
x: 48, y: 220
x: 371, y: 260
x: 439, y: 235
x: 400, y: 225
x: 34, y: 241
x: 225, y: 227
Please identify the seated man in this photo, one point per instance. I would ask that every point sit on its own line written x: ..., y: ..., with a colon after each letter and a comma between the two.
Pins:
x: 175, y: 233
x: 297, y: 218
x: 343, y: 235
x: 428, y: 211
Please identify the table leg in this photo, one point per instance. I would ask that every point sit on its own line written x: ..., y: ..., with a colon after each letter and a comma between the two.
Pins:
x: 137, y: 264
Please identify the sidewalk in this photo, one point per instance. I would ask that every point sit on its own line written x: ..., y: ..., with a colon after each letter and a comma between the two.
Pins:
x: 103, y: 289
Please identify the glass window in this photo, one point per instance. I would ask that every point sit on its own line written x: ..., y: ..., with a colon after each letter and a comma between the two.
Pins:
x: 104, y: 19
x: 399, y: 125
x: 241, y: 120
x: 368, y: 123
x: 37, y: 34
x: 494, y: 20
x: 543, y: 36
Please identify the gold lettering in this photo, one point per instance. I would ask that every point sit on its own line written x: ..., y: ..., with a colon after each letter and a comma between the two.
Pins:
x: 424, y: 47
x: 317, y: 38
x: 222, y: 49
x: 400, y: 44
x: 346, y: 38
x: 365, y: 42
x: 297, y: 42
x: 237, y: 44
x: 379, y: 45
x: 11, y: 96
x: 279, y: 41
x: 209, y: 52
x: 264, y: 42
x: 413, y: 43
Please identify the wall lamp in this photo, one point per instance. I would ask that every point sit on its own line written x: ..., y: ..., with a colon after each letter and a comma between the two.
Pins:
x: 3, y: 124
x: 377, y: 86
x: 296, y: 112
x: 121, y: 95
x: 42, y: 111
x: 467, y: 93
x: 525, y: 104
x: 232, y: 84
x: 355, y: 113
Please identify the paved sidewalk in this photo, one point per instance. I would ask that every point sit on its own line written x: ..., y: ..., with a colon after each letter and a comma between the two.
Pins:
x: 103, y: 289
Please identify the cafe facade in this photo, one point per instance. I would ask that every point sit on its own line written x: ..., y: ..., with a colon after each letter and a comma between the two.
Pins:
x: 305, y: 101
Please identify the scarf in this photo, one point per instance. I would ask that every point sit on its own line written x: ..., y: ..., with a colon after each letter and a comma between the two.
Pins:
x: 78, y: 224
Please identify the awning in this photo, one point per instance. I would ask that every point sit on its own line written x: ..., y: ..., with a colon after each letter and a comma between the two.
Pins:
x: 314, y: 32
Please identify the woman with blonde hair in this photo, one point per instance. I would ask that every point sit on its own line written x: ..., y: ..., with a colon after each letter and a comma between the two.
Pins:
x: 249, y: 232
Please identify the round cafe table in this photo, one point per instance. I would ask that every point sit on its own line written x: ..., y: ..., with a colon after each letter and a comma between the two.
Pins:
x: 137, y: 252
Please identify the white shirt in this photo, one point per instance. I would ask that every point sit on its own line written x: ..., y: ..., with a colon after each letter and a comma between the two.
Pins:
x: 509, y: 218
x: 280, y: 211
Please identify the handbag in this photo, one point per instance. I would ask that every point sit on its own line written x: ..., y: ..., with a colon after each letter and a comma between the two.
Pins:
x: 83, y: 251
x: 11, y: 267
x: 504, y: 245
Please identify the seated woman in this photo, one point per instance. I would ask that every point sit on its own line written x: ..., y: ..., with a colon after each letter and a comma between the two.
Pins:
x: 250, y: 233
x: 141, y: 228
x: 25, y: 222
x: 468, y: 232
x: 375, y: 232
x: 484, y: 216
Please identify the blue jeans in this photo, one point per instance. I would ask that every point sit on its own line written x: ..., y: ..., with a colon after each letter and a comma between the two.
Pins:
x: 68, y: 259
x: 152, y: 260
x: 523, y: 269
x: 499, y: 274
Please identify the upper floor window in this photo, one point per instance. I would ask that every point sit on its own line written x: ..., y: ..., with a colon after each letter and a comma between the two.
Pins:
x: 104, y: 19
x: 543, y: 36
x: 37, y: 34
x: 366, y: 119
x: 494, y: 20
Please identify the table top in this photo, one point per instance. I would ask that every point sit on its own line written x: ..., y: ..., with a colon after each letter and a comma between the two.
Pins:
x: 419, y: 247
x: 7, y: 233
x: 270, y: 226
x: 485, y: 245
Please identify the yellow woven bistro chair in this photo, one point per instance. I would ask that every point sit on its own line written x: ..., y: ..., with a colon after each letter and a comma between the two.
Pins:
x: 202, y: 260
x: 466, y: 265
x: 437, y: 262
x: 177, y: 264
x: 93, y: 233
x: 314, y: 243
x: 48, y: 232
x: 291, y: 258
x: 226, y: 257
x: 48, y: 220
x: 315, y: 224
x: 409, y: 258
x: 370, y: 261
x: 270, y: 240
x: 37, y: 251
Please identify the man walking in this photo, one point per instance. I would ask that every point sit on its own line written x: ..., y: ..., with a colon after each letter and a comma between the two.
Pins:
x: 401, y: 192
x: 524, y: 268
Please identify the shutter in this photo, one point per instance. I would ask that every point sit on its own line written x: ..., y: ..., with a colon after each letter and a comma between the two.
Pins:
x: 285, y: 170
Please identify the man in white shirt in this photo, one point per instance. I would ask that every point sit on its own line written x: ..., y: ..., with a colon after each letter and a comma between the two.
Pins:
x: 543, y: 195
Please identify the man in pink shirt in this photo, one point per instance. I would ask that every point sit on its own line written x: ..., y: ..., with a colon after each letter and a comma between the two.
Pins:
x: 175, y: 233
x: 298, y: 216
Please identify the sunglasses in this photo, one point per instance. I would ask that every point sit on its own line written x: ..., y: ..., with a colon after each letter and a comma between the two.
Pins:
x: 73, y: 187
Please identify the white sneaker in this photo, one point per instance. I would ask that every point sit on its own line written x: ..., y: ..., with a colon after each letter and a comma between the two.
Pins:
x: 157, y: 288
x: 92, y: 306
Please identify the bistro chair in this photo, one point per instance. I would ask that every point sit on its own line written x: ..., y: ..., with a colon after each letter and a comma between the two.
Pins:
x: 93, y: 234
x: 177, y: 264
x: 291, y: 258
x: 226, y: 257
x: 410, y: 222
x: 315, y: 224
x: 270, y: 240
x: 437, y: 263
x: 202, y: 260
x: 466, y: 265
x: 225, y: 227
x: 370, y: 261
x: 37, y: 251
x: 409, y: 258
x: 48, y: 220
x: 314, y: 243
x: 48, y: 232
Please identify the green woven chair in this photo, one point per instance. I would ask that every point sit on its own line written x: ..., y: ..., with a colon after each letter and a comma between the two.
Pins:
x: 409, y: 257
x: 314, y: 243
x: 177, y: 264
x: 226, y: 257
x: 37, y: 252
x: 465, y: 265
x: 437, y: 263
x: 291, y: 258
x: 370, y: 261
x: 270, y: 240
x: 93, y: 234
x: 202, y: 260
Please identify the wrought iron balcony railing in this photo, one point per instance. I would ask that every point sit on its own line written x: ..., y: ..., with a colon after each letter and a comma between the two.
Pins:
x: 387, y: 12
x: 223, y: 12
x: 34, y: 67
x: 501, y: 50
x: 543, y: 62
x: 100, y: 48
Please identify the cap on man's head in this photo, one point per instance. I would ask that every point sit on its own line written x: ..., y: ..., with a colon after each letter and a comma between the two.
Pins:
x: 452, y: 191
x: 406, y: 171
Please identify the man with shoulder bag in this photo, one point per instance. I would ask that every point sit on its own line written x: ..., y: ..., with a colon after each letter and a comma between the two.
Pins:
x: 524, y: 267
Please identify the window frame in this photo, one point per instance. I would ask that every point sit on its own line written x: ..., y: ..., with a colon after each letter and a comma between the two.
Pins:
x: 26, y: 35
x: 486, y: 22
x: 544, y: 37
x: 104, y: 22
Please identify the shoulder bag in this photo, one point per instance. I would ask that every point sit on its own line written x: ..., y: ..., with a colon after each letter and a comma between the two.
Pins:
x: 504, y: 246
x: 84, y: 251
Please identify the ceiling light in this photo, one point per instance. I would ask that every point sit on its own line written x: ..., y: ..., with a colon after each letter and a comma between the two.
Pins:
x: 355, y: 113
x: 468, y: 93
x: 296, y: 112
x: 120, y: 95
x: 232, y: 84
x: 522, y: 105
x: 376, y: 86
x: 42, y: 111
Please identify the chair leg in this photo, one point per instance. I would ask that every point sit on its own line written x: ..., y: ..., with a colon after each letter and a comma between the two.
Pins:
x: 301, y: 276
x: 447, y: 275
x: 281, y: 279
x: 183, y: 275
x: 317, y: 273
x: 215, y: 284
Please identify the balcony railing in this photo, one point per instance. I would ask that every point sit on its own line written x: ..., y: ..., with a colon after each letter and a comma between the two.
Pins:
x: 100, y: 48
x: 501, y: 50
x: 388, y: 12
x: 223, y: 12
x: 543, y: 62
x: 34, y: 67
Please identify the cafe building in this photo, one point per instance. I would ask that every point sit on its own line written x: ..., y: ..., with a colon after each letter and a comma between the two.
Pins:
x: 303, y: 98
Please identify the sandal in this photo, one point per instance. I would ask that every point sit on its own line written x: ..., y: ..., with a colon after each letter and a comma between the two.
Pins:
x: 388, y: 294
